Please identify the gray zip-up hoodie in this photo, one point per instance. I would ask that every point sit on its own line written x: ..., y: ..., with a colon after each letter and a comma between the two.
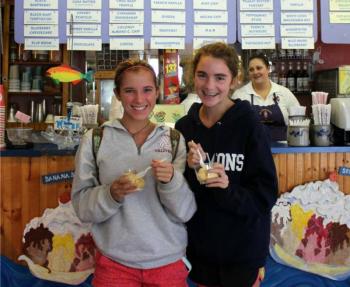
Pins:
x: 147, y: 229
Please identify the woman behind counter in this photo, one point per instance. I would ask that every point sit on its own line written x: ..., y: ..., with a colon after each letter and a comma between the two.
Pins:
x: 270, y: 100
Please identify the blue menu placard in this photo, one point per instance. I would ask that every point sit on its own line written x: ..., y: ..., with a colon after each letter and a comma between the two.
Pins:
x: 265, y: 18
x: 334, y: 33
x: 103, y: 25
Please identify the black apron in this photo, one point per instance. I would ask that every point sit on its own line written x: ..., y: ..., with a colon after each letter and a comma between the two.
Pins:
x: 271, y: 116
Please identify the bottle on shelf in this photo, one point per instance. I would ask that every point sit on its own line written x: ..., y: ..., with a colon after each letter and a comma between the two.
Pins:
x: 274, y: 55
x: 299, y: 78
x: 305, y: 54
x: 282, y: 53
x: 291, y: 77
x: 273, y: 74
x: 290, y: 54
x: 282, y: 77
x: 305, y: 77
x: 298, y: 53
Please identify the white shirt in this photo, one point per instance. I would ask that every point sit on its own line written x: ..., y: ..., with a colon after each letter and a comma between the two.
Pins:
x: 189, y: 100
x: 116, y: 110
x: 286, y: 97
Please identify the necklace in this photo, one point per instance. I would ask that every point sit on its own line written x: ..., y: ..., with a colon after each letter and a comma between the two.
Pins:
x: 137, y: 132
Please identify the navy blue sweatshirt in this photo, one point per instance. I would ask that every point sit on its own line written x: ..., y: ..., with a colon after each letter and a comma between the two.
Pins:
x: 232, y: 225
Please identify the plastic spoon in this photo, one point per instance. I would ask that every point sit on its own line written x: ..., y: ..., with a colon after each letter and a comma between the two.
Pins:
x: 143, y: 173
x: 201, y: 161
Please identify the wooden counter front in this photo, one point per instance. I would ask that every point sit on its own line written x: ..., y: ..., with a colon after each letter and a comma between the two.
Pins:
x: 299, y: 168
x: 24, y: 196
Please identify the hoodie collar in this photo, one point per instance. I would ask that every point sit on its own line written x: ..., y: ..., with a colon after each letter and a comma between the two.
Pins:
x: 233, y: 114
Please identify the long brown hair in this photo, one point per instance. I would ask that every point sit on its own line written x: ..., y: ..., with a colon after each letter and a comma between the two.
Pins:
x: 219, y: 50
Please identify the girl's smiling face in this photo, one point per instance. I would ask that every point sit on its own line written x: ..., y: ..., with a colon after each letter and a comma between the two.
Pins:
x: 258, y: 71
x: 138, y: 94
x: 213, y: 80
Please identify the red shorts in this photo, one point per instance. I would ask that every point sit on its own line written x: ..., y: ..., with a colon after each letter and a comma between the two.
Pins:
x: 109, y: 273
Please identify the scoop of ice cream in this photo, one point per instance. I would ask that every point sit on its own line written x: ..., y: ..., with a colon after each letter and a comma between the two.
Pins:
x: 311, y: 229
x: 204, y: 174
x: 139, y: 182
x: 54, y: 240
x: 60, y: 220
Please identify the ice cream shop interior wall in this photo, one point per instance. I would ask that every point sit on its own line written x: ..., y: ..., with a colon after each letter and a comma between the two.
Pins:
x: 324, y: 54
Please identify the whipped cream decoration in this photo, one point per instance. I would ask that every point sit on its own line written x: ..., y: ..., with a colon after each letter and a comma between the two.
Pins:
x: 322, y: 197
x: 60, y: 220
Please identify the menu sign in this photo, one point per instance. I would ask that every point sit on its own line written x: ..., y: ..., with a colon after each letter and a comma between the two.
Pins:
x: 78, y: 22
x: 39, y: 36
x: 261, y: 20
x: 335, y: 21
x: 257, y: 29
x: 297, y: 19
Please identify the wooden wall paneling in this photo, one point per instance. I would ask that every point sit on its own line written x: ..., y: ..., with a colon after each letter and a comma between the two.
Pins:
x: 12, y: 205
x: 290, y: 175
x: 346, y: 179
x: 315, y: 160
x: 276, y: 161
x: 30, y: 195
x: 51, y: 192
x: 339, y: 159
x: 49, y: 198
x: 282, y: 173
x: 15, y: 212
x: 299, y: 168
x: 6, y: 205
x: 331, y: 162
x: 307, y: 167
x: 323, y: 166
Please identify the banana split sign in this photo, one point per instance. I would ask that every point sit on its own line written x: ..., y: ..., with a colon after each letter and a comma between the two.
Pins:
x: 344, y: 171
x: 58, y: 177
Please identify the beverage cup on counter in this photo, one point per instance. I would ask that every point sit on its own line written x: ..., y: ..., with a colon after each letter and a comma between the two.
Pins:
x: 298, y: 136
x: 320, y: 135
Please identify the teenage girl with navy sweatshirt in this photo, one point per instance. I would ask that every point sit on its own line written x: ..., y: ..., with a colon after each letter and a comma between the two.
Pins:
x: 229, y: 233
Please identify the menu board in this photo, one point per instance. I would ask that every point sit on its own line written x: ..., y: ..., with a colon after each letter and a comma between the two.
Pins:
x: 263, y: 23
x: 124, y: 24
x: 335, y: 21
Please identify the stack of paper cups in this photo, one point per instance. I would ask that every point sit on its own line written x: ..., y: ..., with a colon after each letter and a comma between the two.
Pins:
x: 2, y: 117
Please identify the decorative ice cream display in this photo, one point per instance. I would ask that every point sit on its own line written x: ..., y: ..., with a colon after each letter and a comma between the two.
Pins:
x: 311, y: 229
x: 58, y: 246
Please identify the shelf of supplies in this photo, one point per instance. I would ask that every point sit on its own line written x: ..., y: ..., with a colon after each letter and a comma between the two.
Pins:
x: 277, y: 60
x: 35, y: 126
x: 35, y: 63
x: 30, y: 94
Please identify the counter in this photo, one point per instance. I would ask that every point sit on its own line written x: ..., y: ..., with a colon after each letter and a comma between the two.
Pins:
x: 25, y: 196
x: 23, y: 193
